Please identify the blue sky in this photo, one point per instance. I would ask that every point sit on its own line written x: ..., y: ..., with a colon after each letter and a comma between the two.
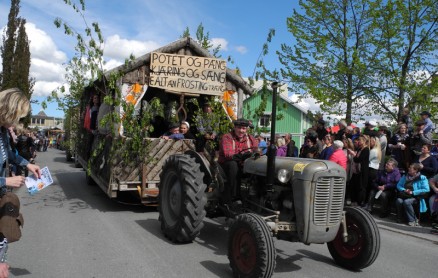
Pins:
x: 140, y: 26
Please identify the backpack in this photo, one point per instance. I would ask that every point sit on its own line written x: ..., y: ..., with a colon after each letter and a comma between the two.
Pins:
x: 11, y: 220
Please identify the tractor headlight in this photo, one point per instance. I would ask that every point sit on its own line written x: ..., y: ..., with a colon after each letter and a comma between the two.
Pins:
x: 283, y: 175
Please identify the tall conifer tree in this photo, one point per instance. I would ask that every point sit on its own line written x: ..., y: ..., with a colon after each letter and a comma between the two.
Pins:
x: 8, y: 46
x: 21, y: 63
x: 16, y: 54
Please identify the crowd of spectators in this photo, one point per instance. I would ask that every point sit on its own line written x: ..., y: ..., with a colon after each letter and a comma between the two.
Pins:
x: 396, y: 168
x: 27, y: 143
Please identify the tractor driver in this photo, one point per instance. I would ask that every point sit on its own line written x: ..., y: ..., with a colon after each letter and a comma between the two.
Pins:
x: 233, y: 145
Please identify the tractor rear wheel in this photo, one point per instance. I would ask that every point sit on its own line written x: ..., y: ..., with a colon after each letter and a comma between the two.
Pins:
x: 181, y: 199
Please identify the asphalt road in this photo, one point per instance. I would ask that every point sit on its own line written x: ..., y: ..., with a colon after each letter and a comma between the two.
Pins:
x: 73, y: 230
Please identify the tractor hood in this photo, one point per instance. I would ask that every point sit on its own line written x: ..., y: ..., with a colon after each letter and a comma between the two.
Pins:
x: 304, y: 167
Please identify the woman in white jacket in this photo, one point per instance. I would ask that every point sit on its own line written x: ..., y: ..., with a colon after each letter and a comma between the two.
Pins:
x: 373, y: 167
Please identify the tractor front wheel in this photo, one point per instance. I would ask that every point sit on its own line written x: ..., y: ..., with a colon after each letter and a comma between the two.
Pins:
x: 362, y: 246
x: 251, y: 249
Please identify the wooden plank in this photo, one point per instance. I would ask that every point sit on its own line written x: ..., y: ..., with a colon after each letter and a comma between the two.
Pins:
x: 154, y: 146
x: 158, y: 149
x: 155, y: 171
x: 162, y: 154
x: 178, y: 147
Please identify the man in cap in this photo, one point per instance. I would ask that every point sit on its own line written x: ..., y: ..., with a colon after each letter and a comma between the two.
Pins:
x: 419, y: 138
x: 425, y: 115
x: 340, y: 134
x: 235, y: 143
x: 207, y: 126
x: 370, y: 128
x: 320, y: 129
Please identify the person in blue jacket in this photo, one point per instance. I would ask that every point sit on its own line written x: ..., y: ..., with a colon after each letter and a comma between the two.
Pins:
x: 14, y: 105
x: 263, y: 146
x: 409, y: 190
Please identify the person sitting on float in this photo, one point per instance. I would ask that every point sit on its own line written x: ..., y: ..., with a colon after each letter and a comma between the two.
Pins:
x: 173, y: 132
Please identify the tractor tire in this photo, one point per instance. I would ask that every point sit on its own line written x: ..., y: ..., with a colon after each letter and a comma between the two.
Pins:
x: 181, y: 199
x: 363, y: 244
x: 251, y: 249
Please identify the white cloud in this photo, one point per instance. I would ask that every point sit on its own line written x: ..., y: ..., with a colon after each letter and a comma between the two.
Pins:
x: 46, y: 61
x: 43, y: 70
x: 120, y: 49
x: 419, y: 76
x: 220, y: 41
x: 241, y: 49
x: 42, y: 46
x: 45, y: 88
x: 306, y: 103
x: 112, y: 63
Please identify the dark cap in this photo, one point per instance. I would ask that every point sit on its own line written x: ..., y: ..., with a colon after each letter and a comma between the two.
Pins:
x: 420, y: 122
x: 426, y: 113
x: 370, y: 123
x: 173, y: 125
x: 241, y: 122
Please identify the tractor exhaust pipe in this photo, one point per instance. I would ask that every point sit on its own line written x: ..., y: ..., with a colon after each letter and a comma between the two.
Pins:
x: 272, y: 150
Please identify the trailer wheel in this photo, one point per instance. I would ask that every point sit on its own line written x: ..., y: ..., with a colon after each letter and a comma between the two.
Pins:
x: 181, y: 199
x: 363, y: 244
x: 68, y: 155
x: 77, y: 164
x: 251, y: 249
x: 89, y: 180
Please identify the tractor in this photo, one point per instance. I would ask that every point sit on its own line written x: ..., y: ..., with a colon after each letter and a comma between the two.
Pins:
x: 293, y: 199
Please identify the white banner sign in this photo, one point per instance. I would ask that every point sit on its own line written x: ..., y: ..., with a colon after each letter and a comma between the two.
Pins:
x: 189, y: 74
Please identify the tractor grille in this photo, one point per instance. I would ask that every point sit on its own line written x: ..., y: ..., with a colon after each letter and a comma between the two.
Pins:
x: 329, y: 201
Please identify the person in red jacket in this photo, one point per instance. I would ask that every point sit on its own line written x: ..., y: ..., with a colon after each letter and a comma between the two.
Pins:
x: 339, y: 156
x: 231, y: 148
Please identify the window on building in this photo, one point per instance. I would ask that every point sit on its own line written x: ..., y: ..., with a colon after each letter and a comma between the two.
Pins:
x: 33, y: 120
x: 265, y: 121
x: 42, y: 121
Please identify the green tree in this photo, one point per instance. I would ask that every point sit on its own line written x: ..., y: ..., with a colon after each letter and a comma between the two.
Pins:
x: 407, y: 31
x: 86, y: 70
x: 87, y: 64
x: 203, y: 38
x: 331, y: 58
x: 8, y: 46
x: 362, y: 57
x: 16, y: 55
x: 22, y: 62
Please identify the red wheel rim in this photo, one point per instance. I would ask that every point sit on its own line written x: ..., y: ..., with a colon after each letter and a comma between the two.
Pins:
x: 354, y: 244
x: 244, y: 251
